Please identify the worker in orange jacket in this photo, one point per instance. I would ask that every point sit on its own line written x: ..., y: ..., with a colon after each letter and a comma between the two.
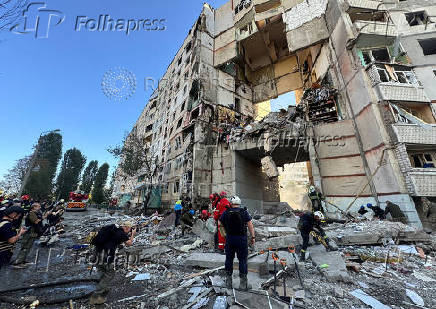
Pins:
x: 221, y: 207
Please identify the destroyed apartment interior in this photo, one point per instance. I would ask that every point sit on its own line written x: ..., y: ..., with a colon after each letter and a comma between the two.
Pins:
x: 270, y: 101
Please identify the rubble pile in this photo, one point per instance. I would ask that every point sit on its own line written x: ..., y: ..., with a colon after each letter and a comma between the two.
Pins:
x: 379, y: 264
x: 292, y: 120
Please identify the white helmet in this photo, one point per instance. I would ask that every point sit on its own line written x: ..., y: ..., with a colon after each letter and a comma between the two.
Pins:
x: 311, y: 189
x: 235, y: 200
x: 319, y: 214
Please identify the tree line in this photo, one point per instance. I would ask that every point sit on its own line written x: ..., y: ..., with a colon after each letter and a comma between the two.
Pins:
x: 41, y: 168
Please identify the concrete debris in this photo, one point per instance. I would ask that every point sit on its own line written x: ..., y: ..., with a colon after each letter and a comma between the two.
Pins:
x: 269, y: 167
x: 194, y: 245
x: 158, y: 264
x: 336, y: 270
x: 141, y: 277
x: 417, y: 300
x: 368, y: 300
x: 220, y: 302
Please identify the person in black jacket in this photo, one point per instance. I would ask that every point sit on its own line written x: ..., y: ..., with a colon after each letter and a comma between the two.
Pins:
x: 378, y: 212
x: 8, y: 234
x: 106, y: 242
x: 310, y: 222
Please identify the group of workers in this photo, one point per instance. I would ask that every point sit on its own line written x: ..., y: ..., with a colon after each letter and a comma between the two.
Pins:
x: 391, y: 209
x: 22, y: 220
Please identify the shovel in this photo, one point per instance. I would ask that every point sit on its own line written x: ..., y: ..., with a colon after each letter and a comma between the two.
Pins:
x: 263, y: 267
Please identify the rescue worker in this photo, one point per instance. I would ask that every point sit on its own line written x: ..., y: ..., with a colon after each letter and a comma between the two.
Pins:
x: 25, y: 203
x: 214, y: 200
x: 106, y: 242
x: 204, y: 215
x: 187, y: 219
x: 395, y: 212
x: 315, y: 197
x: 222, y: 206
x: 378, y: 212
x: 8, y: 234
x: 178, y: 210
x: 35, y: 227
x: 311, y: 222
x: 362, y: 210
x: 234, y: 221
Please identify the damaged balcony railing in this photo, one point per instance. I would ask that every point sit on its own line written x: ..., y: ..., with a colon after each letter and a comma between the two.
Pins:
x: 396, y: 83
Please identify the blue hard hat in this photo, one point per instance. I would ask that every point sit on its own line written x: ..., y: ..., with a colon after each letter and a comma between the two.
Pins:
x: 369, y: 205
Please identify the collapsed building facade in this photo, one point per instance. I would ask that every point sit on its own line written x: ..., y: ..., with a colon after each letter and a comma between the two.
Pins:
x: 362, y: 72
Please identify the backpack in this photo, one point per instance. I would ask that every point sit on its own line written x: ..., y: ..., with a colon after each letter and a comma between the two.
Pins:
x: 235, y: 224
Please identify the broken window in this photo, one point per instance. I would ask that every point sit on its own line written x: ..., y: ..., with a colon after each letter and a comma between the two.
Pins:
x: 188, y: 47
x: 416, y: 18
x: 428, y: 46
x: 381, y: 54
x: 176, y: 187
x: 384, y: 76
x: 195, y: 114
x: 406, y: 77
x: 183, y: 106
x: 238, y: 105
x: 188, y: 60
x: 179, y: 123
x: 423, y: 160
x: 243, y: 4
x: 185, y: 89
x: 179, y: 62
x: 366, y: 57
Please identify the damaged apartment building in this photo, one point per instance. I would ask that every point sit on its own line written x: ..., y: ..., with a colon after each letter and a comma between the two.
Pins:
x: 363, y: 73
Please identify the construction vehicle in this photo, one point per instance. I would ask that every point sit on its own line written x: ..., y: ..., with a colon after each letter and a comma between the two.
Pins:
x: 77, y: 201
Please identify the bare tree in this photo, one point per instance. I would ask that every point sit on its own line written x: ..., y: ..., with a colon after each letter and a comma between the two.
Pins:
x: 136, y: 159
x: 13, y: 178
x: 10, y: 12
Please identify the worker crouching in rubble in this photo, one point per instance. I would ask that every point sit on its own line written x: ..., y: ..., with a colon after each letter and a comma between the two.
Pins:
x: 395, y: 212
x: 235, y: 221
x: 106, y: 242
x: 187, y: 219
x: 311, y: 222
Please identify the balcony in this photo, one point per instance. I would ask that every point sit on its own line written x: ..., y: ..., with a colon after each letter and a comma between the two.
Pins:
x: 415, y: 134
x: 423, y: 181
x: 396, y: 82
x: 374, y: 33
x: 401, y: 92
x: 366, y: 4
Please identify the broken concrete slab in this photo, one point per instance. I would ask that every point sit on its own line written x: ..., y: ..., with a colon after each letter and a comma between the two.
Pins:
x: 375, y: 232
x: 368, y: 300
x: 269, y: 167
x: 200, y: 229
x: 257, y: 300
x: 336, y: 270
x: 214, y: 260
x: 274, y: 231
x: 278, y: 242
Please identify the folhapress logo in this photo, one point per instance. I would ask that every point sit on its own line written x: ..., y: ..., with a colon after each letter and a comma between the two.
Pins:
x: 107, y: 23
x: 38, y: 20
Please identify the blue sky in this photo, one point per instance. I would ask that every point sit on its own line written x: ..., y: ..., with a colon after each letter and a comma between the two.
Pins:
x: 55, y: 82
